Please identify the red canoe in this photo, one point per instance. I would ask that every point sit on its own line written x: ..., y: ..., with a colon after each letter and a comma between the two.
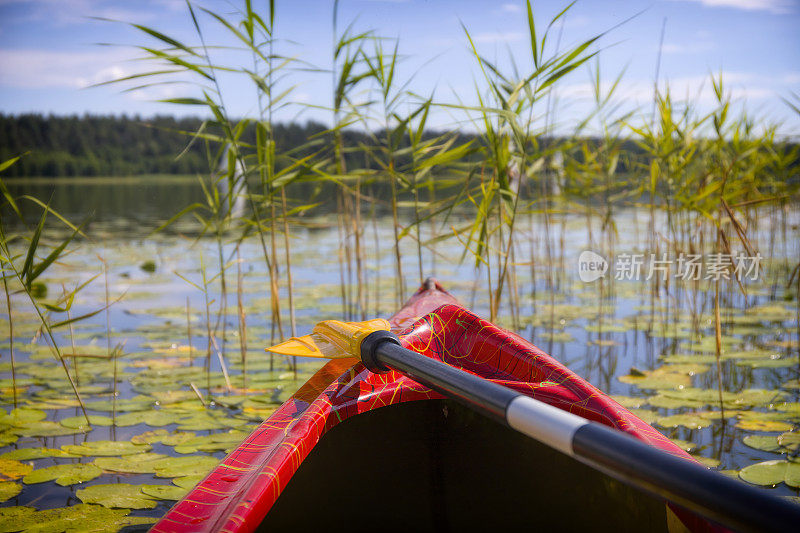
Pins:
x: 424, y: 465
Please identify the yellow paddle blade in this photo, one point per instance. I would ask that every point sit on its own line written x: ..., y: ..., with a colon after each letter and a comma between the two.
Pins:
x: 331, y: 339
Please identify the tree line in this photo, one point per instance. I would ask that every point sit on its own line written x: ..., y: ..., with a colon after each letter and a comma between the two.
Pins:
x: 93, y: 145
x: 110, y: 145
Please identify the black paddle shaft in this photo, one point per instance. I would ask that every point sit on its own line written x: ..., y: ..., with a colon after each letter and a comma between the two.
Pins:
x: 725, y: 500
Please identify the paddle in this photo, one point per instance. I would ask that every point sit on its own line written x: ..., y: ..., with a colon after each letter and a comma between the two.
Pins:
x: 722, y: 499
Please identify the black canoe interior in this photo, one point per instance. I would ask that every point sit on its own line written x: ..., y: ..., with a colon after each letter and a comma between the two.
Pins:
x: 435, y: 466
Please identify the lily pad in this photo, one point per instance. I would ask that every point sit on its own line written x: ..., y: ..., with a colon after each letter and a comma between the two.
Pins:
x: 177, y: 438
x: 771, y: 473
x: 151, y: 418
x: 629, y: 402
x: 684, y: 445
x: 116, y: 495
x: 106, y: 448
x: 754, y: 424
x: 691, y: 421
x: 130, y: 464
x: 26, y: 454
x: 188, y: 482
x: 11, y: 518
x: 164, y: 492
x: 201, y: 422
x: 767, y: 443
x: 141, y: 403
x: 792, y: 408
x: 668, y: 402
x: 11, y: 469
x: 64, y: 475
x: 150, y: 437
x: 660, y: 378
x: 212, y: 443
x: 790, y: 441
x: 22, y: 417
x: 767, y: 363
x: 185, y: 466
x: 646, y: 415
x: 708, y: 462
x: 45, y: 428
x: 79, y: 422
x: 689, y: 358
x: 9, y: 489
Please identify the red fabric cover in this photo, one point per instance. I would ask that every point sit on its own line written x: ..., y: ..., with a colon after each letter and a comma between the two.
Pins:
x: 239, y: 492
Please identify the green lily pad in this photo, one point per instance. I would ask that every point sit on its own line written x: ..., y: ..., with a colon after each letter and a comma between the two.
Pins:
x: 757, y: 397
x: 690, y: 369
x: 7, y: 438
x: 646, y: 415
x: 684, y: 445
x: 79, y: 422
x: 792, y: 477
x: 150, y: 437
x: 22, y: 417
x: 629, y: 402
x: 607, y: 328
x: 11, y: 518
x: 768, y: 363
x: 164, y: 492
x: 668, y: 402
x: 754, y: 424
x: 691, y: 421
x: 11, y: 469
x: 106, y: 448
x: 767, y: 443
x: 771, y: 473
x: 64, y: 475
x: 180, y: 437
x: 116, y: 495
x: 185, y: 466
x: 212, y: 443
x: 173, y: 396
x: 771, y: 312
x: 708, y: 462
x: 201, y: 422
x: 792, y: 408
x: 188, y: 482
x: 660, y: 378
x: 9, y: 489
x: 142, y: 403
x: 130, y: 464
x: 689, y: 358
x: 45, y: 428
x: 790, y: 441
x: 26, y: 454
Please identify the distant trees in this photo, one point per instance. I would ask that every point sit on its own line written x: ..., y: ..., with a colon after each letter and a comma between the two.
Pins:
x: 92, y: 145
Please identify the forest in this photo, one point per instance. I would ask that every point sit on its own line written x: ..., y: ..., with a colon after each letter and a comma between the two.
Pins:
x: 97, y: 145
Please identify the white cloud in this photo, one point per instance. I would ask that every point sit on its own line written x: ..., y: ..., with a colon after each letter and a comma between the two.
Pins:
x: 37, y: 69
x: 772, y: 6
x: 511, y: 8
x: 791, y: 78
x: 695, y: 89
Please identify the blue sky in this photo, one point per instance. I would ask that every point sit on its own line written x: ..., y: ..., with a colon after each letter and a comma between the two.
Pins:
x: 49, y: 54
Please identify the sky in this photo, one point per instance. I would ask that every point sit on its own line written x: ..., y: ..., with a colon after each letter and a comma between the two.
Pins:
x: 52, y: 52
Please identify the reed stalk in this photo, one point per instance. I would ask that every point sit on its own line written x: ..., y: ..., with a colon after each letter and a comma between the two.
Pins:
x: 11, y: 342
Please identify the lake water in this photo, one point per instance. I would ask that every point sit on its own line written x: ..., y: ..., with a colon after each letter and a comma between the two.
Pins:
x: 654, y: 351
